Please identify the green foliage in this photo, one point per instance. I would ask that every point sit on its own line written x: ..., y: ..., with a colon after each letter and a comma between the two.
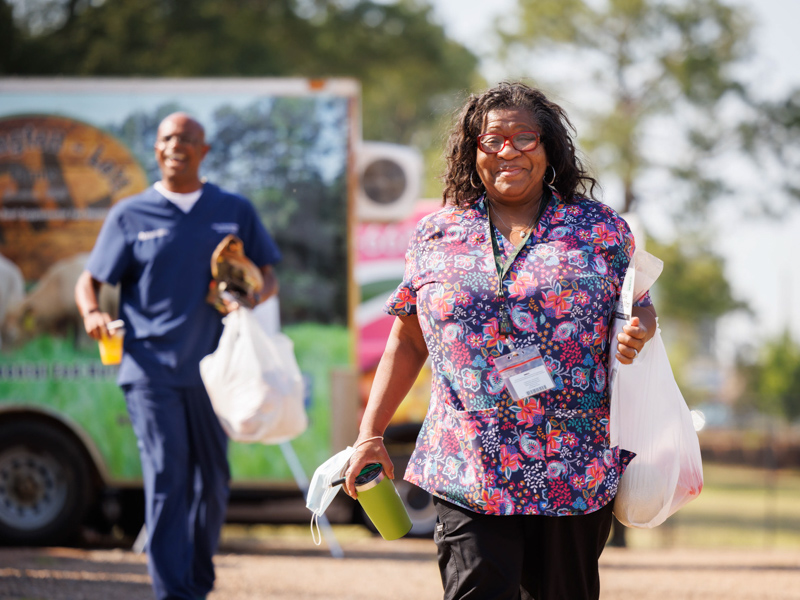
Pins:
x: 9, y: 38
x: 774, y: 133
x: 692, y: 286
x: 645, y: 59
x: 773, y: 381
x: 405, y: 63
x: 690, y: 295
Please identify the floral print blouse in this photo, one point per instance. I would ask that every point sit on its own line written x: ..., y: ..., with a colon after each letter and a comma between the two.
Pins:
x: 546, y: 454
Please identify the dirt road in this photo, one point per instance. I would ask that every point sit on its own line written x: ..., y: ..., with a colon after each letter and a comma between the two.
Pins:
x: 290, y: 567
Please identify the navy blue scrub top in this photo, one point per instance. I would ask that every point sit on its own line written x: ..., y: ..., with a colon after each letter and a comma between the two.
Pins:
x: 161, y: 256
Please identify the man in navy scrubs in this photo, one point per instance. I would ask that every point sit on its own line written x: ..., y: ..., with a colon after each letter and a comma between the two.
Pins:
x: 157, y: 245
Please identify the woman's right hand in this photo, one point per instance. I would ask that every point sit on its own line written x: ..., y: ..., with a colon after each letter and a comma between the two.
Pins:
x: 367, y: 453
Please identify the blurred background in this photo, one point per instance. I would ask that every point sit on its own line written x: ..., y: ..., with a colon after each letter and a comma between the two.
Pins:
x: 688, y: 112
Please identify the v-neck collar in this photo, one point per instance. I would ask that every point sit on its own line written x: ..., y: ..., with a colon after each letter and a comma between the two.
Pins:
x: 553, y: 199
x: 193, y: 210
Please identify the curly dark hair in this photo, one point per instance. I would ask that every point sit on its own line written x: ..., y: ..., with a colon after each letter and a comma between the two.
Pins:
x: 556, y: 135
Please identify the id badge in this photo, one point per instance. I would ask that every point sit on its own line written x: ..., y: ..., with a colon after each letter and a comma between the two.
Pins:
x: 624, y: 306
x: 524, y: 372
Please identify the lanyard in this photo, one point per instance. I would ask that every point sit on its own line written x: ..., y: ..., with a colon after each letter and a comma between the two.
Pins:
x: 504, y: 267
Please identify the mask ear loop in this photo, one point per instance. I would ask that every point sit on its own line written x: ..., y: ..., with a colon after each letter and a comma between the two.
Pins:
x: 315, y: 535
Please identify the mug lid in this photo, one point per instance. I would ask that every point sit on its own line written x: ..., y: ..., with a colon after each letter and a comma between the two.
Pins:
x: 369, y: 477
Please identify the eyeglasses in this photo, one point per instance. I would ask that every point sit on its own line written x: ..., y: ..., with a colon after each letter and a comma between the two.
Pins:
x: 180, y: 139
x: 524, y: 141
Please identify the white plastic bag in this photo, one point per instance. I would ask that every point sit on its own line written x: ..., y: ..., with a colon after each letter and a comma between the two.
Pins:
x: 254, y: 382
x: 649, y: 417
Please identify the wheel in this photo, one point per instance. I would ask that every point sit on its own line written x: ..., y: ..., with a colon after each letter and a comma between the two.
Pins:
x: 419, y: 504
x: 44, y: 484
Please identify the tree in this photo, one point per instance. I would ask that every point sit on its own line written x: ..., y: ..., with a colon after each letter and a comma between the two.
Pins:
x: 9, y: 38
x: 773, y: 380
x: 692, y: 286
x: 405, y: 63
x: 691, y: 294
x: 772, y: 138
x: 641, y: 62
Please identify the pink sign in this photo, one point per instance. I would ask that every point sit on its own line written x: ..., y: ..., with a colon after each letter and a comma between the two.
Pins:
x: 380, y: 262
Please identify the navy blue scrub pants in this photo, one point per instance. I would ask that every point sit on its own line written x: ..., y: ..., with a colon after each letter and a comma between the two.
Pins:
x: 492, y: 557
x: 183, y: 450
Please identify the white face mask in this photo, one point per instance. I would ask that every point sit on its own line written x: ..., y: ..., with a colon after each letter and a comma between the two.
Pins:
x: 320, y: 492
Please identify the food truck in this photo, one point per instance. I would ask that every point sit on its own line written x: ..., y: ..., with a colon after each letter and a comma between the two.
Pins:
x: 72, y: 148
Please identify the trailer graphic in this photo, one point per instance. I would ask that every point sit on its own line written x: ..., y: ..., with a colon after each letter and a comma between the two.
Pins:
x: 69, y: 150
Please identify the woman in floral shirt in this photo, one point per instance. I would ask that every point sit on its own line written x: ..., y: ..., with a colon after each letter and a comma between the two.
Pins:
x: 515, y: 445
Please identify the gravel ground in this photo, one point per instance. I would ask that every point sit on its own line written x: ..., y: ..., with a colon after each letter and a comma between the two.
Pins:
x: 279, y: 566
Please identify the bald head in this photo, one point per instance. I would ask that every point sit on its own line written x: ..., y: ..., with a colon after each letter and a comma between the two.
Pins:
x: 180, y: 148
x: 187, y: 121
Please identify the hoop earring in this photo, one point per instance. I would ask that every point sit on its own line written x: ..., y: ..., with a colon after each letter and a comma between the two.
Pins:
x: 553, y: 178
x: 472, y: 183
x: 550, y: 183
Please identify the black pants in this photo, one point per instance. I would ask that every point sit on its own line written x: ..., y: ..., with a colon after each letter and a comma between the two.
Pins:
x: 489, y: 557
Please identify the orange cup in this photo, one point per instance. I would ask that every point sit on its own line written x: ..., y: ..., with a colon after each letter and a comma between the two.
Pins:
x: 111, y: 345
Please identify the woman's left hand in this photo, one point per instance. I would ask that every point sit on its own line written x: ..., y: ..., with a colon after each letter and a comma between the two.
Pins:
x: 631, y: 341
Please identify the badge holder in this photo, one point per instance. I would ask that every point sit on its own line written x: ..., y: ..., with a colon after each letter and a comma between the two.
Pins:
x: 524, y: 373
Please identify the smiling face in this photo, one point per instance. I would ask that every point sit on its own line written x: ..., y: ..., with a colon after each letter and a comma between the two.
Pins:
x: 511, y: 177
x: 180, y: 148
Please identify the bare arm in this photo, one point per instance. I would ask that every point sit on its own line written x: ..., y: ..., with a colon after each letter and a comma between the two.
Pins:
x: 636, y: 333
x: 400, y: 365
x: 270, y: 287
x: 87, y: 291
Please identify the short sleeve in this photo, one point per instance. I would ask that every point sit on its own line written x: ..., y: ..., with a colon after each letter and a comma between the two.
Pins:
x: 403, y: 301
x: 112, y: 251
x: 628, y: 246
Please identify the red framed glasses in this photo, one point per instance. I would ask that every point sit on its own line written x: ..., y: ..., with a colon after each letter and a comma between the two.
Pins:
x: 524, y: 141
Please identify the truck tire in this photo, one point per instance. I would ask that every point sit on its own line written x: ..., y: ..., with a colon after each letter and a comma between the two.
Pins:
x: 419, y: 504
x: 44, y: 484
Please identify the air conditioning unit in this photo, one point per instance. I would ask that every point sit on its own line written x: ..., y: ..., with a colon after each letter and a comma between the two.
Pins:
x: 389, y: 181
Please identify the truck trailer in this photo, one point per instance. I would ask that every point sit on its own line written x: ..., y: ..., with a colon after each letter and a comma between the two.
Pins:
x: 69, y: 150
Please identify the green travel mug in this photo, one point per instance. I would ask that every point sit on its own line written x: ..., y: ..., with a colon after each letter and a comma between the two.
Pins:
x: 382, y: 503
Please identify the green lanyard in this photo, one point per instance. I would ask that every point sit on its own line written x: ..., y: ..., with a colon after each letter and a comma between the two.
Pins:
x: 504, y: 267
